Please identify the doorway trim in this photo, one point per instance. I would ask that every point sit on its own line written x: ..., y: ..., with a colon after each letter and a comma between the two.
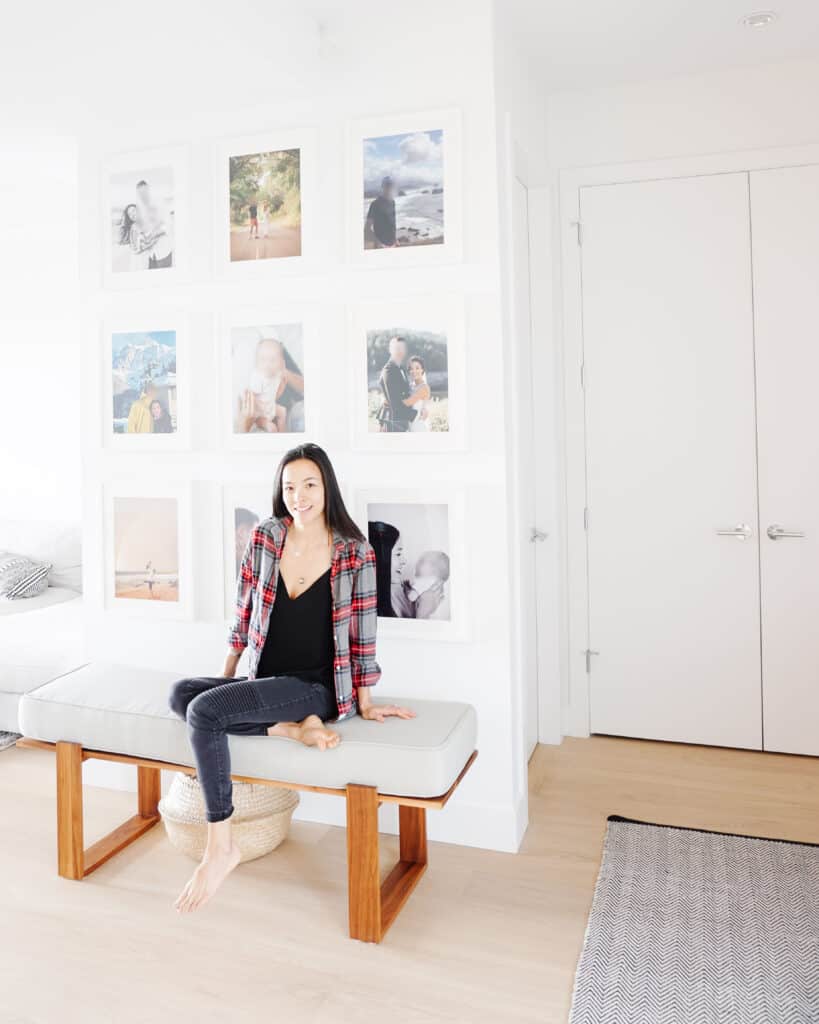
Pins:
x: 576, y: 710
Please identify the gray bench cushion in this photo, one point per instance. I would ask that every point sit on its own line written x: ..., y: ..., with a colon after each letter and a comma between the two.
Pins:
x: 124, y: 709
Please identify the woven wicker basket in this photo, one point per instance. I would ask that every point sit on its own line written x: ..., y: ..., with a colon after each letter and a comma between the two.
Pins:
x: 260, y: 819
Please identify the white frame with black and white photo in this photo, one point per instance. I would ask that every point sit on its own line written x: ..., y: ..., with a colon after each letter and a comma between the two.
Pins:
x: 146, y: 324
x: 308, y: 317
x: 140, y: 164
x: 456, y: 627
x: 142, y: 608
x: 233, y: 494
x: 449, y: 251
x: 439, y: 314
x: 305, y: 141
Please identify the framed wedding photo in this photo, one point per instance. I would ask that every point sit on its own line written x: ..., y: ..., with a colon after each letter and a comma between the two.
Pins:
x: 407, y: 374
x: 405, y: 185
x: 264, y: 204
x: 148, y: 549
x: 144, y: 218
x: 146, y: 383
x: 243, y: 507
x: 419, y: 540
x: 269, y: 373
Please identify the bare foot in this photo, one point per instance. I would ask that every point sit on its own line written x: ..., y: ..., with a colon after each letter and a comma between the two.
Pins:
x: 312, y: 732
x: 206, y: 879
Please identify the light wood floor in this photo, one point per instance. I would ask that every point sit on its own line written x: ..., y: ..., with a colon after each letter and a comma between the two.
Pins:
x: 486, y: 937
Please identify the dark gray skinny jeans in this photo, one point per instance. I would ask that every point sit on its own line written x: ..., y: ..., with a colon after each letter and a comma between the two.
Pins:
x: 214, y: 706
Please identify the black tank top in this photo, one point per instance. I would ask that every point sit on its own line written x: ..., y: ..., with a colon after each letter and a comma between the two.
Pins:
x: 299, y: 639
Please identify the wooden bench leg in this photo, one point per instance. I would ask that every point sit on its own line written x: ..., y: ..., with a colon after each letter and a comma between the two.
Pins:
x: 374, y: 905
x: 73, y: 861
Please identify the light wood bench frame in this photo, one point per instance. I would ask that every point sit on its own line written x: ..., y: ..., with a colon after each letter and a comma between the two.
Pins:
x: 373, y: 904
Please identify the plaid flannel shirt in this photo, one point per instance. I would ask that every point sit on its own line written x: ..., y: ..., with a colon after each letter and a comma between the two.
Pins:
x: 352, y: 585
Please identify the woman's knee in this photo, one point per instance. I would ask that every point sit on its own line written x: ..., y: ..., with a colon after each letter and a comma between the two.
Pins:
x: 204, y: 712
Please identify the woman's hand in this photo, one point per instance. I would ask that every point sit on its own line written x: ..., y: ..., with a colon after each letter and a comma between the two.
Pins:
x: 378, y: 712
x: 248, y: 411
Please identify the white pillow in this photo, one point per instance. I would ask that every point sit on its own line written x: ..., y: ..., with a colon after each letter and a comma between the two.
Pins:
x: 51, y: 541
x: 21, y: 576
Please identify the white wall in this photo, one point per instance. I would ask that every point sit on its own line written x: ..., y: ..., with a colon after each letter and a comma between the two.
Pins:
x: 363, y: 65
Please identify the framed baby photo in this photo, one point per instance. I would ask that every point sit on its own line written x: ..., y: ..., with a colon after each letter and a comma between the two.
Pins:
x: 145, y: 383
x: 244, y: 506
x: 407, y: 374
x: 419, y: 540
x: 264, y: 209
x: 269, y: 377
x: 405, y: 189
x: 148, y: 549
x: 144, y: 218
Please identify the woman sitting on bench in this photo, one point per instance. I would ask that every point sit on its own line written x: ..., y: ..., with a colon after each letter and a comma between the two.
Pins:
x: 306, y: 606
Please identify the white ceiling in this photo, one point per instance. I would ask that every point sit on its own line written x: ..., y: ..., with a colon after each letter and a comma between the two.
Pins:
x: 580, y: 44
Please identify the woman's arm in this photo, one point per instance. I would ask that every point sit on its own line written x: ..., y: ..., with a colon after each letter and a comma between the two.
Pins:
x: 417, y: 396
x: 237, y: 637
x: 295, y: 380
x: 363, y: 620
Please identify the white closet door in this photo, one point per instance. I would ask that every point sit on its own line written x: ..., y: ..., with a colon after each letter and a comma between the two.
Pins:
x: 668, y: 350
x: 785, y: 224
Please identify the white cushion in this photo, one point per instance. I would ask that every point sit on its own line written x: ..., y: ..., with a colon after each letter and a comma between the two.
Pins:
x: 124, y: 709
x: 52, y: 541
x: 50, y: 596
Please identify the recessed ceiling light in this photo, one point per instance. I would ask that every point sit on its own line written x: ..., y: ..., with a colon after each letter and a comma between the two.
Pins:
x: 759, y: 19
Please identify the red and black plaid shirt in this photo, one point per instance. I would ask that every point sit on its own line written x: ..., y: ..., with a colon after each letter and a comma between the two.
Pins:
x: 353, y: 590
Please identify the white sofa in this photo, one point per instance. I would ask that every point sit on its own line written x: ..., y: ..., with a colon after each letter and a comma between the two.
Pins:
x: 44, y: 636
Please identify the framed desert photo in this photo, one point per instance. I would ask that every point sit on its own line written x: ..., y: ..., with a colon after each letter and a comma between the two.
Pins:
x: 146, y: 403
x: 405, y: 189
x: 148, y: 557
x: 243, y: 506
x: 269, y: 374
x: 407, y: 374
x: 418, y: 537
x: 144, y: 218
x: 263, y: 209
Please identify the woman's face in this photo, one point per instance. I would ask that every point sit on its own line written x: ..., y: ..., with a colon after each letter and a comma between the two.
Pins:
x: 131, y: 213
x: 399, y: 561
x: 156, y: 409
x: 303, y: 491
x: 415, y: 371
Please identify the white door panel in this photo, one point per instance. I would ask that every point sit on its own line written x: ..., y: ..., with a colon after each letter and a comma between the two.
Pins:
x: 785, y: 219
x: 668, y: 351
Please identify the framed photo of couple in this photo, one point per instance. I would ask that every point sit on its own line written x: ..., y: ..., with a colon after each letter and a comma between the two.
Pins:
x: 146, y: 383
x: 148, y: 548
x: 407, y: 374
x: 419, y: 538
x: 405, y: 190
x: 145, y: 206
x: 269, y: 373
x: 265, y: 209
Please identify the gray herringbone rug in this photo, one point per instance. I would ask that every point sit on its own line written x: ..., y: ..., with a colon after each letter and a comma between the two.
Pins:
x: 690, y: 927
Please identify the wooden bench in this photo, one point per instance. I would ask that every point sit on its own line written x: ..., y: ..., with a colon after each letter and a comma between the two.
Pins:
x: 120, y: 713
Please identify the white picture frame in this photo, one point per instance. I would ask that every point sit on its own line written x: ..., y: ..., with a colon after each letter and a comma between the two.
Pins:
x: 118, y: 499
x: 457, y: 588
x: 304, y: 139
x: 170, y: 167
x: 425, y: 315
x: 440, y: 128
x: 156, y: 324
x: 257, y: 499
x: 232, y: 324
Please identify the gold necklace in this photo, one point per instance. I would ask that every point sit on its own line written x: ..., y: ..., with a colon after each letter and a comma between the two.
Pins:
x: 298, y: 554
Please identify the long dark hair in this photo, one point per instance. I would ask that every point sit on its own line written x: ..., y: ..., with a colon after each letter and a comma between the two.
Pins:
x: 125, y: 224
x: 335, y: 512
x: 383, y: 537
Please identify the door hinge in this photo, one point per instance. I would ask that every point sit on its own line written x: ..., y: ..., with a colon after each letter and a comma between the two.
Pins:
x: 578, y: 226
x: 586, y: 518
x: 588, y: 653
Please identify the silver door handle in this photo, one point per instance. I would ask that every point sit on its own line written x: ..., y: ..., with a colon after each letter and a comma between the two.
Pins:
x: 775, y: 531
x: 537, y: 534
x: 741, y: 531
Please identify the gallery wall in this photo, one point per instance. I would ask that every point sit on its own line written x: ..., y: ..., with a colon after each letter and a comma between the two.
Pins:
x: 338, y: 78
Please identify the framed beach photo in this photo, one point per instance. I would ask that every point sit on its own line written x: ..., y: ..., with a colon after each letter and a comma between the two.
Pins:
x: 264, y: 200
x: 244, y: 505
x: 269, y: 377
x: 144, y: 218
x: 405, y: 202
x: 146, y: 383
x: 419, y: 541
x: 148, y: 549
x: 407, y: 374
